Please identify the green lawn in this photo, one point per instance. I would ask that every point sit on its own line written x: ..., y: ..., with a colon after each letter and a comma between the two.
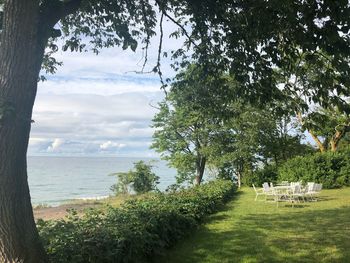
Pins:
x: 248, y: 231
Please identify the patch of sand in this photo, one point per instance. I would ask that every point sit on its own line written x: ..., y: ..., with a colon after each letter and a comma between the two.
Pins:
x: 59, y: 212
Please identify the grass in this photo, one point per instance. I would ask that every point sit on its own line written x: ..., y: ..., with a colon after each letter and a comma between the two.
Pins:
x: 248, y: 231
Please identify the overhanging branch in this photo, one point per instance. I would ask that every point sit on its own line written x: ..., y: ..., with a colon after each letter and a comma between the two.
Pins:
x: 53, y: 11
x: 184, y: 31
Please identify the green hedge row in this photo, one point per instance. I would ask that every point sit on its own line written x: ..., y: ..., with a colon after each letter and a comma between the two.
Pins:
x: 331, y: 169
x: 136, y: 231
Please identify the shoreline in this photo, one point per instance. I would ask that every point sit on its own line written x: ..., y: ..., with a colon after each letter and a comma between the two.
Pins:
x: 81, y: 204
x: 60, y: 212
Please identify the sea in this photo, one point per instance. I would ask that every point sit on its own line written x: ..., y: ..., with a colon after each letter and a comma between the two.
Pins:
x: 57, y: 180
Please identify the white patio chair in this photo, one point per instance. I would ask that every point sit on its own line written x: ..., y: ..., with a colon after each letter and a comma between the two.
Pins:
x: 268, y: 191
x: 258, y: 192
x: 295, y: 183
x: 284, y: 183
x: 266, y: 187
x: 280, y: 196
x: 297, y: 193
x: 311, y: 191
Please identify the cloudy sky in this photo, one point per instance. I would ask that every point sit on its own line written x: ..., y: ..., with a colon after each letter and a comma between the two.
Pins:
x: 96, y: 105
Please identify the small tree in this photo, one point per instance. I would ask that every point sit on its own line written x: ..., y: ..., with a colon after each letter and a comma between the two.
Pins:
x: 190, y: 118
x: 123, y: 184
x: 141, y: 179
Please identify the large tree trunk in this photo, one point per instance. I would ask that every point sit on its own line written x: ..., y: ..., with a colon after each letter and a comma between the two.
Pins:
x: 21, y: 54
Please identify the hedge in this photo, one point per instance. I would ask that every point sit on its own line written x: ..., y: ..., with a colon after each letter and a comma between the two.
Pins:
x: 135, y: 232
x: 332, y: 169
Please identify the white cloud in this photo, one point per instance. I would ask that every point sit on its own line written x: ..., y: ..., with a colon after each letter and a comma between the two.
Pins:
x: 110, y: 144
x: 81, y: 124
x: 98, y: 104
x: 55, y: 145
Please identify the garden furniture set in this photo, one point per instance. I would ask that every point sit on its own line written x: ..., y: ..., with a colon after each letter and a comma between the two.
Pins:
x: 288, y: 192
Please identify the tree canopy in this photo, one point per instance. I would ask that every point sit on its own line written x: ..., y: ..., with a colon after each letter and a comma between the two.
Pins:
x: 189, y: 119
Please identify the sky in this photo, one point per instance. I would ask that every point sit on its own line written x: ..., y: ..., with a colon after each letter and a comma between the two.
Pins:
x: 96, y: 105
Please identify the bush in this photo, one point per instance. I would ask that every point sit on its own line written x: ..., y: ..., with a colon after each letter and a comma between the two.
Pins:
x: 141, y: 179
x: 331, y: 169
x: 136, y: 231
x: 266, y: 174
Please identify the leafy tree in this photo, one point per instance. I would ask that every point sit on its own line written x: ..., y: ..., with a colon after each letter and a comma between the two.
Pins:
x: 189, y: 119
x: 328, y: 127
x: 231, y: 134
x: 326, y: 121
x: 253, y: 136
x: 253, y: 38
x: 123, y: 183
x: 237, y: 144
x: 141, y: 179
x: 144, y: 180
x: 182, y: 139
x: 280, y: 140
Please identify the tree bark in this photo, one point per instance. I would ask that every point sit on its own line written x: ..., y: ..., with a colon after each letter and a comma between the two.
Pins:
x: 200, y: 170
x: 239, y: 175
x: 338, y: 136
x: 334, y: 145
x: 321, y: 146
x: 21, y: 53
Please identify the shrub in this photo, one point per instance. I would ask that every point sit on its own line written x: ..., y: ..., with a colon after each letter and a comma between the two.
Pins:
x: 331, y: 169
x: 141, y: 179
x: 136, y: 231
x: 266, y: 174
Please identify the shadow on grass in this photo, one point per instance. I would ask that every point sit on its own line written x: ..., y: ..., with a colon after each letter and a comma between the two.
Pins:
x: 298, y: 236
x: 224, y: 208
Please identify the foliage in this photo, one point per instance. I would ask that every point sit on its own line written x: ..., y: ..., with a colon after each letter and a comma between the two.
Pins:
x: 254, y: 136
x: 123, y: 183
x: 280, y: 140
x: 250, y: 38
x: 186, y: 126
x: 232, y: 134
x: 137, y: 230
x: 326, y: 121
x: 266, y: 174
x: 329, y: 168
x: 260, y: 36
x: 328, y: 127
x: 141, y: 179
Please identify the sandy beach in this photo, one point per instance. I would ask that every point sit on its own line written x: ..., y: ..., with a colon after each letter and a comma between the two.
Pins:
x: 59, y: 212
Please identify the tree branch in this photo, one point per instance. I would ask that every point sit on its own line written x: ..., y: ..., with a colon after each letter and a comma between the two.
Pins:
x: 53, y: 11
x: 184, y: 31
x: 339, y: 134
x: 320, y: 145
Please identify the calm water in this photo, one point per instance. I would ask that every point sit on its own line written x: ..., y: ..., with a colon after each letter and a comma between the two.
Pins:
x: 54, y: 180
